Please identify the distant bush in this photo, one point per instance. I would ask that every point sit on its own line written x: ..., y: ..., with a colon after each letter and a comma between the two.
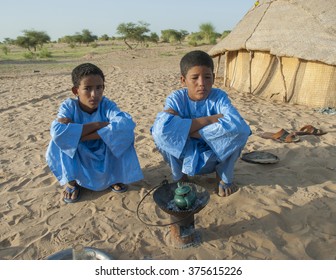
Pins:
x: 153, y: 37
x: 32, y: 40
x: 44, y: 53
x: 133, y: 32
x: 193, y: 43
x: 104, y: 37
x: 206, y: 35
x: 5, y: 49
x: 85, y: 37
x: 173, y: 36
x: 29, y: 55
x: 195, y: 39
x: 225, y: 33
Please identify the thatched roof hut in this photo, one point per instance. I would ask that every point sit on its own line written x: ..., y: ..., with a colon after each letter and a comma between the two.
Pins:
x: 283, y: 50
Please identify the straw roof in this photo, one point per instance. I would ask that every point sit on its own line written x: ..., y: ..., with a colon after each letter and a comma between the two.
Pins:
x: 304, y: 29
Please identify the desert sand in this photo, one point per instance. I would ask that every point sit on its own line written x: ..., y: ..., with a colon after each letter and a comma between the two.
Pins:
x: 284, y: 211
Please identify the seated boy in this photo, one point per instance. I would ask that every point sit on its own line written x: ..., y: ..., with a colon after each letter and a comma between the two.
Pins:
x: 199, y: 130
x: 92, y: 143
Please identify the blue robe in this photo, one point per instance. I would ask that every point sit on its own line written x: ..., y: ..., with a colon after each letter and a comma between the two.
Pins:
x: 220, y: 145
x: 94, y: 164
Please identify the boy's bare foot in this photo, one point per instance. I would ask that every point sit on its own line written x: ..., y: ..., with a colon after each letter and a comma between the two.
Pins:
x: 71, y: 193
x: 225, y: 190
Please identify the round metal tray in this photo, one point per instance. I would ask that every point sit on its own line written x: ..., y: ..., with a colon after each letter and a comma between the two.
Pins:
x: 260, y: 157
x: 67, y: 254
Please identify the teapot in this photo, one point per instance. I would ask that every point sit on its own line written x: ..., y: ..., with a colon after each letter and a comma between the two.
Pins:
x: 185, y: 196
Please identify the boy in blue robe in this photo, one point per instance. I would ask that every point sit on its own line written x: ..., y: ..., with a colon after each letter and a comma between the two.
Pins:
x: 92, y: 143
x: 199, y: 131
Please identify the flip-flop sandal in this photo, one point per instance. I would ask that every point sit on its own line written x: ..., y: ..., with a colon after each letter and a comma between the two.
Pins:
x: 310, y: 130
x: 228, y: 189
x: 281, y: 136
x: 260, y: 157
x: 123, y: 188
x: 70, y: 191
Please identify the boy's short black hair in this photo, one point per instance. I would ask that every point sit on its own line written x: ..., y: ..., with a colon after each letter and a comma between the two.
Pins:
x: 83, y: 70
x: 195, y: 58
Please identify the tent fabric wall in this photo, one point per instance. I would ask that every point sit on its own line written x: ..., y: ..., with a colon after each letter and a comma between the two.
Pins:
x: 284, y: 79
x: 283, y: 50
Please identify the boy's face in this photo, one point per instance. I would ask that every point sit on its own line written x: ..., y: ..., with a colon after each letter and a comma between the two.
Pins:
x: 199, y: 81
x: 89, y: 92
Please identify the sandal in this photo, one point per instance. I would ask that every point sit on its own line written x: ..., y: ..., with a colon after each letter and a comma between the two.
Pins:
x: 310, y: 130
x: 281, y: 136
x: 70, y: 190
x: 225, y: 190
x: 119, y: 188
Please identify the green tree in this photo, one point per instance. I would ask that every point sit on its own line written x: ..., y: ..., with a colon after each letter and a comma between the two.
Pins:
x: 153, y: 37
x: 208, y: 33
x: 104, y: 37
x: 225, y: 33
x: 66, y: 39
x: 195, y: 39
x: 5, y: 49
x: 173, y: 36
x: 132, y: 32
x: 184, y: 33
x: 32, y: 40
x: 9, y: 41
x: 87, y: 37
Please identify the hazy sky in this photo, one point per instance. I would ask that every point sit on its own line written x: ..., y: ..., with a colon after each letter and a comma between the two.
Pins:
x: 66, y: 17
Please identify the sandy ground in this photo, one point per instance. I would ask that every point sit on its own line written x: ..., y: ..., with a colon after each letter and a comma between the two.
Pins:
x: 281, y: 211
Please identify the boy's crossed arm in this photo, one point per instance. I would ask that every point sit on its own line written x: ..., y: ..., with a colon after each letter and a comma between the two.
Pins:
x: 197, y: 123
x: 89, y: 131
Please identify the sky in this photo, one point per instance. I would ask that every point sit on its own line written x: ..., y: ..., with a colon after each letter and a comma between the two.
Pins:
x: 59, y: 18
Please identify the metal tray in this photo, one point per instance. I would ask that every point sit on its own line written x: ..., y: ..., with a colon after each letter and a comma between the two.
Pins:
x: 260, y: 157
x: 67, y: 254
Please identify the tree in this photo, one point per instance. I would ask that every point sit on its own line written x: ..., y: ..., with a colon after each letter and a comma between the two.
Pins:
x: 133, y: 32
x: 225, y: 33
x: 153, y: 37
x: 5, y: 49
x: 84, y: 37
x: 32, y: 39
x: 66, y: 39
x: 9, y: 41
x: 173, y: 36
x: 195, y: 38
x: 104, y: 37
x: 208, y: 33
x: 87, y: 37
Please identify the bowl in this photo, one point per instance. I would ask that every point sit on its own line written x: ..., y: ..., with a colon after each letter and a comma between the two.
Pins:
x: 67, y: 254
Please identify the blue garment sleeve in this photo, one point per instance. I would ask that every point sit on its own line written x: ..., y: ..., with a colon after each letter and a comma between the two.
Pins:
x: 229, y: 134
x: 119, y: 134
x: 170, y: 133
x: 66, y: 136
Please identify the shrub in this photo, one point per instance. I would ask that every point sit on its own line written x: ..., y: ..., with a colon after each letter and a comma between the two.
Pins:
x: 44, y: 53
x: 28, y: 55
x: 5, y: 49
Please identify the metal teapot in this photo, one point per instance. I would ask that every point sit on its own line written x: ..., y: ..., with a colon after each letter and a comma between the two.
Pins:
x: 185, y: 196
